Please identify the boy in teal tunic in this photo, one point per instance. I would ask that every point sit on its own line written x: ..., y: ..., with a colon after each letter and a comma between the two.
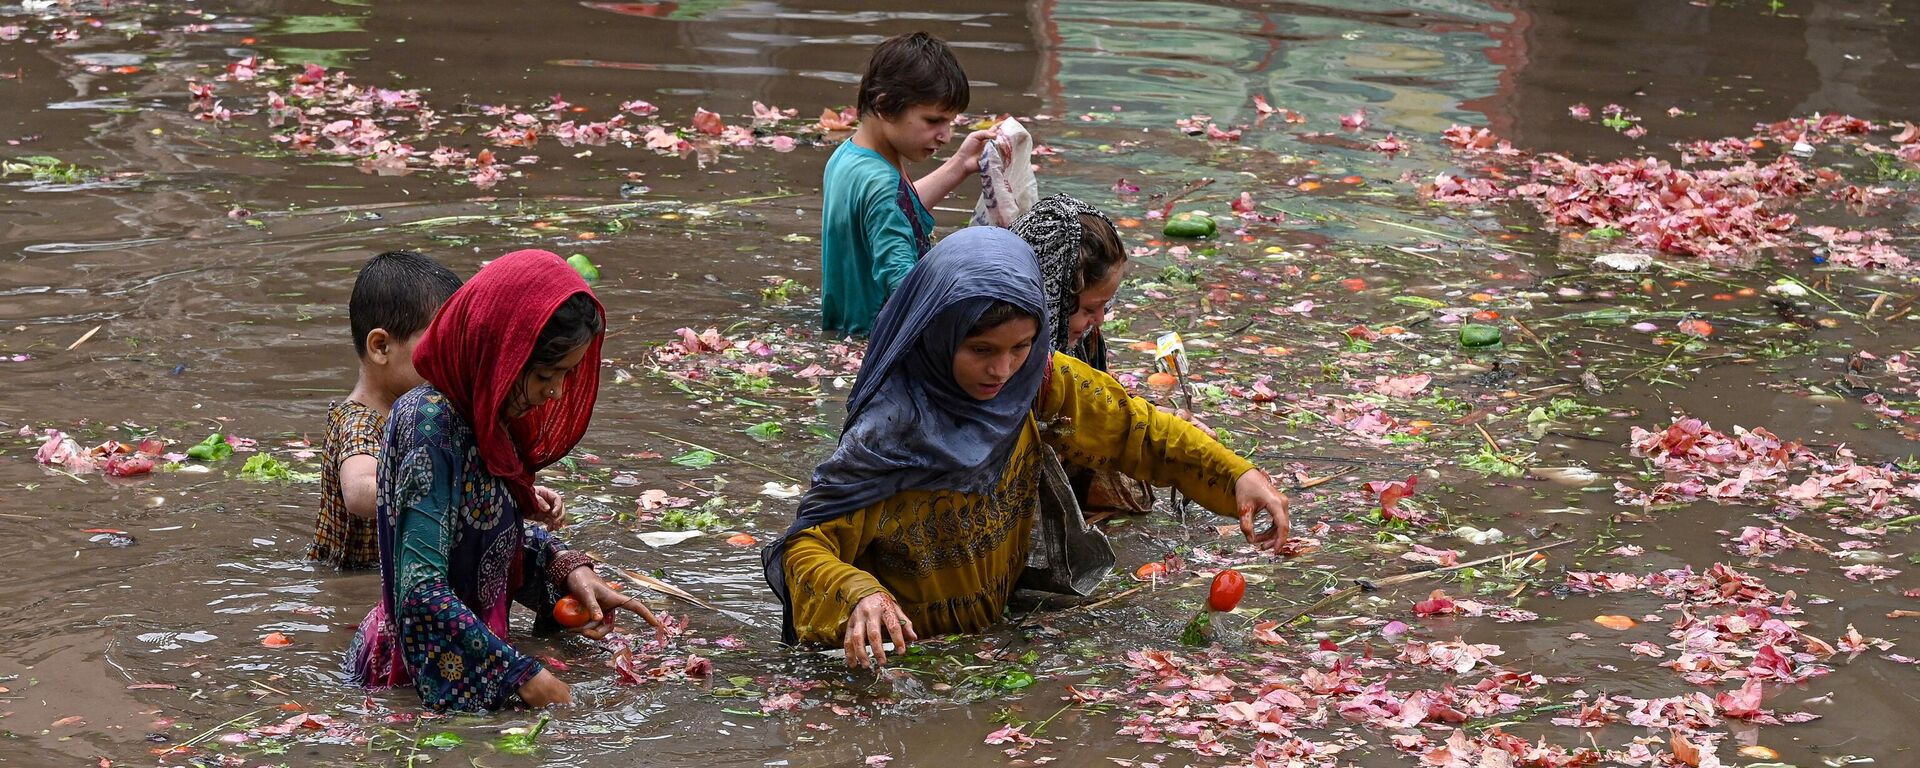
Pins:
x: 874, y: 222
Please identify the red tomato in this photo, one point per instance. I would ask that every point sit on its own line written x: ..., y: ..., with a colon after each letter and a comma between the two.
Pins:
x: 570, y: 613
x: 1228, y: 587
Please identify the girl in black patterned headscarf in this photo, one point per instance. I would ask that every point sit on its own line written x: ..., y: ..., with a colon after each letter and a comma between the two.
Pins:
x: 1082, y: 263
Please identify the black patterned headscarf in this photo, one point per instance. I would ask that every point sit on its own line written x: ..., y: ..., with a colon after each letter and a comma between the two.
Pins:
x: 1054, y: 230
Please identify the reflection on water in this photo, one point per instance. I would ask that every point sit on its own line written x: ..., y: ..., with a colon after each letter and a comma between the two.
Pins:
x: 1413, y: 67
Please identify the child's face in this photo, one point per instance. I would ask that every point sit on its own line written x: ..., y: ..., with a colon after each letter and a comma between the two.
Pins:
x: 1093, y: 303
x: 391, y: 362
x: 919, y: 132
x: 542, y: 384
x: 401, y: 377
x: 985, y: 363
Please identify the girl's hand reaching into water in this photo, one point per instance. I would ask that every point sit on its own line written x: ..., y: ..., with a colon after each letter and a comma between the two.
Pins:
x: 601, y: 600
x: 545, y: 689
x: 872, y: 622
x: 1254, y: 492
x: 550, y: 510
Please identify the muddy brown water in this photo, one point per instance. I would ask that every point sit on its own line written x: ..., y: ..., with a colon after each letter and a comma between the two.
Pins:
x: 208, y: 323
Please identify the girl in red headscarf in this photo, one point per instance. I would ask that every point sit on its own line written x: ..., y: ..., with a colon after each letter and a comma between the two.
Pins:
x: 512, y: 364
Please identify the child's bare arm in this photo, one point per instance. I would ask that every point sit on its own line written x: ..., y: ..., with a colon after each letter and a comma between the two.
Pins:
x: 934, y: 187
x: 359, y: 485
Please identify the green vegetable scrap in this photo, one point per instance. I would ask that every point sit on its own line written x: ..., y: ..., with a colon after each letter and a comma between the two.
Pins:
x: 584, y: 266
x: 1191, y: 224
x: 1476, y: 336
x: 214, y: 448
x: 1198, y: 632
x: 261, y: 466
x: 524, y: 741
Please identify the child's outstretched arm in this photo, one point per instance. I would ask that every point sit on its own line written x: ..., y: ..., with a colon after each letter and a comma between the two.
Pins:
x: 360, y: 485
x: 934, y: 187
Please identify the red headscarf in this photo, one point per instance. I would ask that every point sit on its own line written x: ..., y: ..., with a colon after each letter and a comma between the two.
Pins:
x: 477, y: 348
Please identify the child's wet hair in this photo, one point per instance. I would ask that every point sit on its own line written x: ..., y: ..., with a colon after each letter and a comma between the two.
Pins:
x: 398, y: 291
x: 910, y: 70
x: 573, y: 324
x: 997, y: 314
x: 1100, y: 250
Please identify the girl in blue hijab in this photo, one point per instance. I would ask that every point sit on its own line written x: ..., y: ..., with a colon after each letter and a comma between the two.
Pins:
x: 922, y: 519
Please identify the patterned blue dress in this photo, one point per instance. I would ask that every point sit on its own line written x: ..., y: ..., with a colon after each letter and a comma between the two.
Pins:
x: 454, y: 557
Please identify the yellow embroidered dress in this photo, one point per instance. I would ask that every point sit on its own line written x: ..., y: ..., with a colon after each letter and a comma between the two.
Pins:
x: 951, y: 559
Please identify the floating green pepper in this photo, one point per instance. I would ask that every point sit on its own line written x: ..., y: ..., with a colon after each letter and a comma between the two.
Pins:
x: 214, y: 448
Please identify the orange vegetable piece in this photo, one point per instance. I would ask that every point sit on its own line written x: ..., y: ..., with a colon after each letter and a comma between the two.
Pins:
x: 1481, y: 297
x: 1309, y: 186
x: 1162, y: 382
x: 276, y: 640
x: 742, y: 540
x: 1723, y: 297
x: 1486, y: 315
x: 1352, y: 180
x: 1615, y: 621
x: 1355, y: 284
x: 1746, y: 292
x: 1696, y: 327
x: 1151, y: 571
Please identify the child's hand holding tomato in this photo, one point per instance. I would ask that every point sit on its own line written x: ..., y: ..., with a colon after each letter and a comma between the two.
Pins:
x: 594, y: 600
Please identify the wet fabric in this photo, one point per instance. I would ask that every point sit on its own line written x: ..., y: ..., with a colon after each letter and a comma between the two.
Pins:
x: 1007, y: 185
x: 340, y: 539
x: 451, y: 544
x: 951, y: 558
x: 909, y: 424
x: 873, y: 229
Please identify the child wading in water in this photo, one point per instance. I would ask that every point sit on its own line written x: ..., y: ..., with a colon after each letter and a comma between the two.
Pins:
x: 874, y: 223
x: 394, y: 298
x: 921, y: 521
x: 512, y: 365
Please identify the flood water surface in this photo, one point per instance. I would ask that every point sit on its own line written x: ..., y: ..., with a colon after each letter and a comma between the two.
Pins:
x: 179, y: 265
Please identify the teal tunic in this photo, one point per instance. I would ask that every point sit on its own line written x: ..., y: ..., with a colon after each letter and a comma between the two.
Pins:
x: 873, y: 229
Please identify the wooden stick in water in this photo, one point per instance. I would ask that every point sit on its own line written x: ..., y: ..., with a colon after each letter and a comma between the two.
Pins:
x: 649, y: 582
x: 1405, y: 578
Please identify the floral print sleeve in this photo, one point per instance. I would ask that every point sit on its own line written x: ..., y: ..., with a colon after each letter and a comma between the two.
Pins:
x: 457, y: 661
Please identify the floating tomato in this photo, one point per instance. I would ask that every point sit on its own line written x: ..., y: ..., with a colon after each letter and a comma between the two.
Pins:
x: 1151, y: 571
x: 1228, y: 587
x: 571, y: 613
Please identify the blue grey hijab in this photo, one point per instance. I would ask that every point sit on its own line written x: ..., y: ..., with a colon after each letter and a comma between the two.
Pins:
x: 910, y: 426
